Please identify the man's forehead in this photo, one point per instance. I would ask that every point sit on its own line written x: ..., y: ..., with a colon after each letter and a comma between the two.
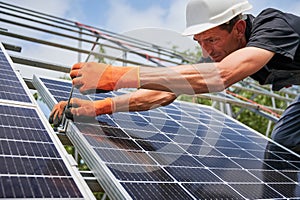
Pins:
x: 209, y: 33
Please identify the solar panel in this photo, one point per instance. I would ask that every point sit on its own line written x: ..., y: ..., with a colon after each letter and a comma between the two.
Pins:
x: 32, y: 162
x: 11, y: 87
x: 180, y: 151
x: 29, y: 156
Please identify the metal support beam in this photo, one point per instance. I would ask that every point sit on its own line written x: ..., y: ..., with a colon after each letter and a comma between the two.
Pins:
x: 12, y: 47
x: 40, y: 64
x: 66, y: 47
x: 91, y: 181
x: 241, y: 104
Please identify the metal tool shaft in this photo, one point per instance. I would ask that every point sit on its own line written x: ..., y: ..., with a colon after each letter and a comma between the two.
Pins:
x: 72, y: 89
x: 86, y: 60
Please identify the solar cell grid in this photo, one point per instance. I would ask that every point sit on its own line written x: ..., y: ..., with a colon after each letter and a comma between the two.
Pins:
x: 212, y: 191
x: 158, y: 191
x: 256, y: 191
x: 31, y: 165
x: 112, y: 143
x: 201, y: 150
x: 147, y: 135
x: 188, y: 174
x: 124, y: 156
x: 27, y: 150
x: 37, y: 187
x: 11, y: 88
x: 188, y: 152
x: 160, y: 146
x: 270, y: 176
x: 93, y: 129
x: 186, y: 139
x: 139, y: 173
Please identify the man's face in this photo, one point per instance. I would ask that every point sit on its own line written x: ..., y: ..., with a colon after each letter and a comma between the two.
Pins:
x: 217, y: 43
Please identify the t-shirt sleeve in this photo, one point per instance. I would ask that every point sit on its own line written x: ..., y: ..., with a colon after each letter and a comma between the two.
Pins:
x: 271, y: 31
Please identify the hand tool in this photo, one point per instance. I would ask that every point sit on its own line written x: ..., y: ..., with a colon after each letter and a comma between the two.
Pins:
x: 64, y: 119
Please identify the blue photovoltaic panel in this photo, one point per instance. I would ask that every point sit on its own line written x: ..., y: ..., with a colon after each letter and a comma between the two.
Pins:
x: 31, y: 165
x: 180, y: 151
x: 11, y: 88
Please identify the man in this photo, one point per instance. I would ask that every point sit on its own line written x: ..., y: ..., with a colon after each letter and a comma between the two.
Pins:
x: 265, y: 48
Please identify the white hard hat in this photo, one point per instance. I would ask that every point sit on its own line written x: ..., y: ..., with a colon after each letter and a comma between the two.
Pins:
x: 202, y: 15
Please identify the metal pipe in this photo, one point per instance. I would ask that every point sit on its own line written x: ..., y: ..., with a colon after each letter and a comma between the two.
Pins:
x: 40, y: 41
x: 235, y: 102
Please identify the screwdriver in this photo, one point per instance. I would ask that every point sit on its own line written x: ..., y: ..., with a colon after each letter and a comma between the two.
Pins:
x: 72, y: 89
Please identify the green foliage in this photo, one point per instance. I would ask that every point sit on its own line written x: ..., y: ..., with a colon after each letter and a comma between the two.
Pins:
x: 100, y: 59
x: 194, y: 99
x: 195, y: 55
x: 99, y: 195
x: 190, y: 56
x: 244, y: 115
x: 251, y: 119
x: 66, y: 77
x: 35, y: 96
x: 81, y: 164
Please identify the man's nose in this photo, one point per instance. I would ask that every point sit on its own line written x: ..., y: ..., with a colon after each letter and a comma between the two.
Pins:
x: 207, y: 50
x: 205, y: 54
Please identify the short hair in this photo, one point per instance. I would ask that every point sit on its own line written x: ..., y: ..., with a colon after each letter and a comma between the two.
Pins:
x: 229, y: 25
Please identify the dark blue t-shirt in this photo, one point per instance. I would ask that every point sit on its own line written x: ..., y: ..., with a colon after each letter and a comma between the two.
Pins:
x: 278, y: 32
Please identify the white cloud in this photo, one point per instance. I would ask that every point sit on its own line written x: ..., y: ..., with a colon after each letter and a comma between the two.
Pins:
x: 149, y: 24
x: 39, y: 51
x: 176, y: 16
x: 124, y: 17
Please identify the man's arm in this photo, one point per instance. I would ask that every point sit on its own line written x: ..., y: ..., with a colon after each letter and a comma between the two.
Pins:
x: 142, y: 100
x: 164, y: 83
x: 183, y: 79
x: 206, y: 77
x: 139, y: 100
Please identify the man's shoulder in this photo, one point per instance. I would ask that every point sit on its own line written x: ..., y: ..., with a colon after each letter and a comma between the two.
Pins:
x: 272, y: 17
x: 272, y: 13
x: 269, y: 13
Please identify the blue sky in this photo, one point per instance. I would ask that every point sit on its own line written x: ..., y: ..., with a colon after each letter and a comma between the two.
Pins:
x: 125, y: 16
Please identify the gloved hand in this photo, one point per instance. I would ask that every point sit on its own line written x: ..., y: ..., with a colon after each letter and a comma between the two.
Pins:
x: 56, y: 113
x: 98, y: 77
x: 80, y: 107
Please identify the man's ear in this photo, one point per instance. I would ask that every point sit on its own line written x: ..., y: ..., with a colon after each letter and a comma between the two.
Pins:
x: 240, y: 28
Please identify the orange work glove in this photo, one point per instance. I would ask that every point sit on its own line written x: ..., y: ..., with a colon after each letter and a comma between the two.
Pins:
x: 80, y: 107
x: 56, y: 113
x: 98, y: 77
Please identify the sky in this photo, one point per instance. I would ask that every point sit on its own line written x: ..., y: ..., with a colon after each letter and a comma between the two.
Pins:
x: 127, y: 16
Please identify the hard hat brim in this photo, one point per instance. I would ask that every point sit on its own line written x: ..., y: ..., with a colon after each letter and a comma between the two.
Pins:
x: 227, y: 15
x: 192, y: 30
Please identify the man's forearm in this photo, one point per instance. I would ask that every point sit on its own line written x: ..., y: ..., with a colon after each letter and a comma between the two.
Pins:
x: 142, y: 100
x: 184, y: 79
x: 206, y: 77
